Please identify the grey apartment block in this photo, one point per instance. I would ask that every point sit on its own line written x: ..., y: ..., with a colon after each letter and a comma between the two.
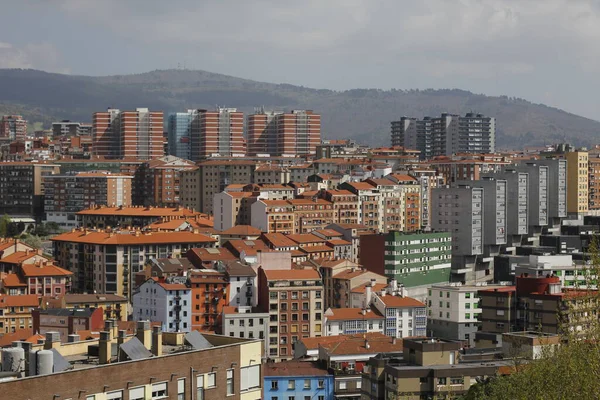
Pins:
x: 517, y: 208
x: 557, y: 189
x: 451, y: 330
x: 537, y: 193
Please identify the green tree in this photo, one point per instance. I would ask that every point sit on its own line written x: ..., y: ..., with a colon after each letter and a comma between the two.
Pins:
x: 33, y: 241
x: 4, y: 221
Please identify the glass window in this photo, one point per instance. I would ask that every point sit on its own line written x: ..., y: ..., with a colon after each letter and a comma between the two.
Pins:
x: 211, y: 380
x: 291, y: 384
x: 159, y: 390
x: 181, y: 389
x: 229, y: 382
x: 200, y: 387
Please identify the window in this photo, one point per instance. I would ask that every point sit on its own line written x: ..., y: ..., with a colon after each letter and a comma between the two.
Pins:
x: 229, y: 382
x: 291, y: 384
x: 274, y: 385
x: 342, y: 385
x: 359, y: 384
x: 211, y: 380
x: 138, y: 393
x: 307, y: 384
x: 321, y: 383
x: 250, y: 377
x: 181, y: 389
x: 200, y: 387
x: 159, y: 390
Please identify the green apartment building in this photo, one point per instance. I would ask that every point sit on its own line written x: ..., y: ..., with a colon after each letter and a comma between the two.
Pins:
x: 416, y: 260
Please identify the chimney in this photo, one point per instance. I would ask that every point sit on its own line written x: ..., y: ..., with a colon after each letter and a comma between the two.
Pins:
x: 363, y: 311
x: 115, y: 329
x: 108, y: 327
x: 104, y: 348
x: 157, y: 341
x: 143, y: 333
x: 121, y: 337
x: 367, y: 345
x: 73, y: 338
x: 373, y: 282
x: 393, y: 340
x: 368, y: 296
x: 52, y: 340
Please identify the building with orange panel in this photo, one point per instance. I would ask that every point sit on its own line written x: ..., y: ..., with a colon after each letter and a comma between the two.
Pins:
x: 296, y: 133
x: 219, y: 132
x: 124, y: 134
x: 209, y: 296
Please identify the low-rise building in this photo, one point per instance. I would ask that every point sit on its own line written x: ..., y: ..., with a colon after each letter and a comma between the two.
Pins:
x: 41, y: 279
x: 404, y: 316
x: 297, y: 380
x: 169, y: 302
x: 135, y: 216
x: 67, y: 321
x: 15, y: 312
x: 245, y: 322
x: 349, y: 321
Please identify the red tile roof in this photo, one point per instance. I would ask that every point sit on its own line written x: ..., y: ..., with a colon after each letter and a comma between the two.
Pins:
x: 294, y: 368
x: 305, y: 238
x: 242, y: 230
x: 339, y: 314
x: 279, y: 240
x: 141, y: 211
x: 317, y: 249
x: 24, y: 300
x: 30, y: 270
x: 13, y: 280
x: 338, y: 242
x: 363, y: 288
x: 400, y: 302
x: 131, y: 238
x: 291, y: 274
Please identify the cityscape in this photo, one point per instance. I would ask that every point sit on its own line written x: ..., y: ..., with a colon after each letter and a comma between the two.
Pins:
x: 256, y: 250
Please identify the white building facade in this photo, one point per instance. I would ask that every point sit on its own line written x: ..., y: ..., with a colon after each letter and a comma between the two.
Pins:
x: 168, y: 303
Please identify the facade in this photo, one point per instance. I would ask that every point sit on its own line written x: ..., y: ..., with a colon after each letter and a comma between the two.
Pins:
x: 16, y: 312
x: 454, y: 310
x: 412, y: 259
x: 179, y: 127
x: 556, y: 188
x: 22, y: 187
x: 225, y: 368
x: 41, y: 278
x: 132, y: 217
x: 70, y: 128
x: 297, y: 380
x: 217, y: 133
x: 447, y: 135
x: 158, y: 182
x: 245, y: 322
x: 209, y: 297
x: 404, y: 316
x: 594, y: 183
x: 67, y: 321
x: 65, y: 195
x: 349, y: 321
x: 577, y: 182
x: 106, y: 261
x: 294, y: 301
x: 292, y: 134
x: 169, y: 303
x: 13, y: 127
x: 128, y: 134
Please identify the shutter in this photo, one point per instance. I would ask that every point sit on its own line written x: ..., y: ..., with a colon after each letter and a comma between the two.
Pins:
x: 181, y: 386
x: 200, y: 381
x: 118, y: 395
x: 254, y: 378
x: 137, y: 393
x: 244, y: 378
x: 157, y: 387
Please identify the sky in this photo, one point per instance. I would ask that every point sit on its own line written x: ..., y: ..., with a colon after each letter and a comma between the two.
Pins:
x: 545, y: 51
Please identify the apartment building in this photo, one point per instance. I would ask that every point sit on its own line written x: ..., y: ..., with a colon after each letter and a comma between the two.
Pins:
x: 454, y: 310
x: 349, y: 321
x: 209, y: 295
x: 157, y: 182
x: 271, y: 174
x: 134, y: 216
x: 297, y: 133
x: 577, y: 182
x: 198, y: 187
x: 459, y: 210
x: 115, y: 307
x: 15, y: 312
x: 400, y: 203
x: 404, y: 316
x: 106, y: 261
x: 209, y: 367
x: 294, y: 300
x: 217, y: 133
x: 41, y: 278
x: 297, y: 380
x: 22, y: 187
x: 128, y: 134
x: 446, y: 135
x: 292, y: 216
x: 66, y: 195
x: 594, y: 182
x: 245, y: 322
x: 179, y: 133
x: 169, y: 303
x: 414, y: 260
x: 13, y: 127
x: 70, y: 128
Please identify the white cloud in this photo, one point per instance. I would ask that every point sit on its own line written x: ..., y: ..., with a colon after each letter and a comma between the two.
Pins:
x: 43, y: 56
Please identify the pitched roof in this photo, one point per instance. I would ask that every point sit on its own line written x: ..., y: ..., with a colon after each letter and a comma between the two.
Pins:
x: 141, y: 211
x: 316, y: 249
x: 349, y: 273
x: 403, y: 177
x: 19, y: 257
x: 18, y: 335
x: 363, y: 288
x: 250, y: 247
x: 24, y: 300
x: 219, y: 253
x: 302, y: 238
x: 279, y: 240
x: 400, y: 302
x: 30, y: 270
x: 377, y: 343
x: 294, y: 368
x: 93, y: 298
x: 13, y: 280
x: 329, y: 232
x: 361, y: 185
x: 130, y: 237
x: 339, y: 242
x: 291, y: 274
x: 330, y: 342
x: 339, y: 314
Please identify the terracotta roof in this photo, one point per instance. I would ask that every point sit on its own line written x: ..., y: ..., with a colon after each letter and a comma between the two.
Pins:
x: 400, y: 302
x: 279, y: 240
x: 30, y: 270
x: 242, y: 230
x: 338, y: 242
x: 93, y: 298
x: 19, y: 257
x: 229, y: 310
x: 24, y: 300
x: 381, y: 182
x: 219, y: 253
x: 131, y: 238
x: 141, y: 211
x: 291, y: 274
x: 349, y: 274
x: 13, y: 280
x: 308, y: 201
x: 7, y: 243
x: 378, y: 343
x: 316, y: 249
x: 173, y: 286
x: 240, y: 194
x: 402, y: 177
x: 294, y: 368
x: 363, y: 288
x: 280, y: 203
x: 499, y: 289
x: 227, y: 162
x: 297, y: 253
x: 329, y: 342
x: 329, y: 233
x: 361, y: 185
x: 340, y: 192
x: 339, y: 314
x: 235, y: 186
x: 18, y: 335
x: 250, y: 247
x: 302, y: 238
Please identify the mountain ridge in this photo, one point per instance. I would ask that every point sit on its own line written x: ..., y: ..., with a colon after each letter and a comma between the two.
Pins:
x: 360, y: 114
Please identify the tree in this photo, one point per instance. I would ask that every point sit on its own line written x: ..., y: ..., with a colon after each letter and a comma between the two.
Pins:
x: 33, y: 241
x: 4, y: 221
x: 12, y: 230
x: 569, y: 371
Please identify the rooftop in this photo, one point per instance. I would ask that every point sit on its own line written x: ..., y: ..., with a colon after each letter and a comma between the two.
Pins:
x: 125, y: 237
x: 400, y: 302
x: 242, y: 230
x: 291, y: 274
x: 339, y: 314
x: 140, y: 211
x: 294, y: 368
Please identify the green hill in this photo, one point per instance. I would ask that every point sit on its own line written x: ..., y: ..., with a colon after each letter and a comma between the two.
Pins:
x: 362, y: 114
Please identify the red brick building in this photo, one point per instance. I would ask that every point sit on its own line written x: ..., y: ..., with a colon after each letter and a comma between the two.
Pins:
x: 209, y: 296
x: 218, y: 132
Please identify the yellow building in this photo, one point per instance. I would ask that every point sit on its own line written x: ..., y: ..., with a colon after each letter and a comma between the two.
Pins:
x: 577, y: 182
